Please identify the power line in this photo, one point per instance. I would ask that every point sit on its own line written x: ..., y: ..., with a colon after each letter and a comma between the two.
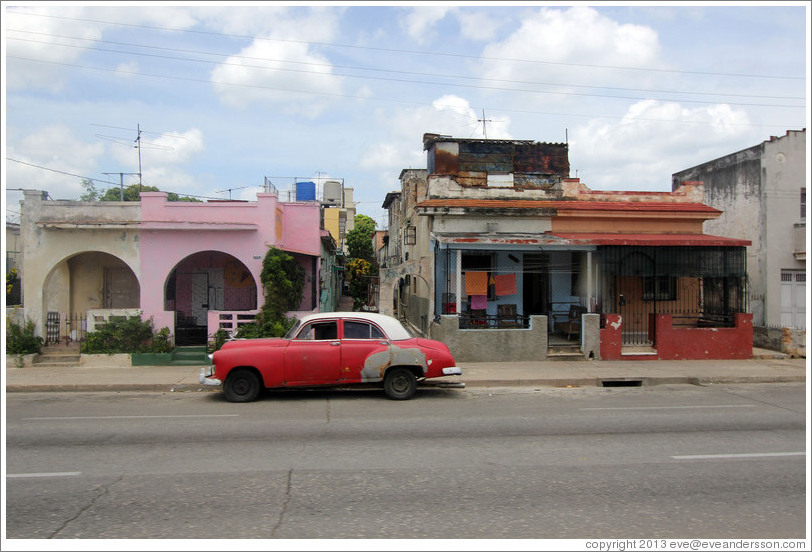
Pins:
x: 389, y: 100
x: 99, y: 180
x: 418, y: 73
x: 413, y: 52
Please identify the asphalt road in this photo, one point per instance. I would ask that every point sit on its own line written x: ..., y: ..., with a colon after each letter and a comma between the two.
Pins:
x: 658, y: 462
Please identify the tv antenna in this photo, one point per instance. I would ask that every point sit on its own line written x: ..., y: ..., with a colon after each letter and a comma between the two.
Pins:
x: 138, y: 147
x: 483, y: 120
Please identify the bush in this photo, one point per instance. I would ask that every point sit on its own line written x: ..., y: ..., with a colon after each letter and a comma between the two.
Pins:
x: 220, y: 338
x: 22, y: 340
x: 266, y: 327
x: 127, y: 335
x: 162, y: 342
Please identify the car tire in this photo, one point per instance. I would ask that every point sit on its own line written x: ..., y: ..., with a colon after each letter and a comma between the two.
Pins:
x: 399, y: 384
x: 241, y: 386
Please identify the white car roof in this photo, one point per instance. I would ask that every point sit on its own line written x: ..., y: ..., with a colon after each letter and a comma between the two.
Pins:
x: 390, y: 325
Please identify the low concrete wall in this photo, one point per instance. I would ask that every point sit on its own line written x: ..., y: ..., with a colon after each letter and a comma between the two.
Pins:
x: 124, y: 359
x: 704, y: 343
x: 20, y: 361
x: 492, y: 345
x: 791, y: 341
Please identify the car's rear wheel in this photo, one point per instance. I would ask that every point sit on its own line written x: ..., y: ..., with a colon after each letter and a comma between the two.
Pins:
x: 399, y: 384
x: 241, y: 386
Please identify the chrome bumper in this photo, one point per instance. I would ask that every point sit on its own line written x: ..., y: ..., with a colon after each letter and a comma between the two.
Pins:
x: 206, y: 378
x: 452, y: 371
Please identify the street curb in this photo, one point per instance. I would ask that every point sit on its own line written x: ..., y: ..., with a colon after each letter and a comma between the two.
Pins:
x: 563, y: 382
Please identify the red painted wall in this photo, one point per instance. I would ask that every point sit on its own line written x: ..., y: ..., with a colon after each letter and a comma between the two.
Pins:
x: 672, y: 343
x: 611, y: 344
x: 704, y: 343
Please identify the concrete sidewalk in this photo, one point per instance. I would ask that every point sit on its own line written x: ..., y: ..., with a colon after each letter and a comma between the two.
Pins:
x: 764, y: 367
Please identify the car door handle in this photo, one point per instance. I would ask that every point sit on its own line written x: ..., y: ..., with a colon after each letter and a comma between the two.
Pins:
x: 384, y: 342
x: 335, y: 344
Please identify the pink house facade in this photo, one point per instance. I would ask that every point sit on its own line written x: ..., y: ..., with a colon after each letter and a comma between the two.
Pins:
x: 191, y: 267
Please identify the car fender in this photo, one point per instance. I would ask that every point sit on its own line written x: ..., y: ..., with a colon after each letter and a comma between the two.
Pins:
x: 268, y: 361
x: 376, y: 364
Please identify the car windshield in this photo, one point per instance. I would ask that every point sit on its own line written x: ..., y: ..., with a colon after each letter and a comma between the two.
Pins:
x: 293, y: 330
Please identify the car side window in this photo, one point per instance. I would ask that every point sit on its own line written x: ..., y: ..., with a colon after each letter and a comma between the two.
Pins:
x: 361, y: 330
x: 319, y: 331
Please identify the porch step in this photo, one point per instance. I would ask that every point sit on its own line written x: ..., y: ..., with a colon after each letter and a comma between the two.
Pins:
x: 58, y: 356
x: 638, y: 351
x: 564, y: 352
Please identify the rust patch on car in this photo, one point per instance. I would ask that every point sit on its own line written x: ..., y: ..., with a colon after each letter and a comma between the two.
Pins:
x: 376, y: 364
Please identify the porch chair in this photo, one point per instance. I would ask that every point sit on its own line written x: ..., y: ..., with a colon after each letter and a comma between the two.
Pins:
x: 507, y: 317
x: 571, y: 325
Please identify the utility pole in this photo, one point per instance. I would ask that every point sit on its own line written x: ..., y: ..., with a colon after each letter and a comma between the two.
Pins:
x: 121, y: 178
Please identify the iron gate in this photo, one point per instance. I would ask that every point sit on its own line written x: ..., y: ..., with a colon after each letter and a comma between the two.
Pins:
x: 71, y: 327
x: 699, y: 286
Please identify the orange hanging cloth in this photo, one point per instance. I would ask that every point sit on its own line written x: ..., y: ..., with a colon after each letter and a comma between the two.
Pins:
x: 476, y: 283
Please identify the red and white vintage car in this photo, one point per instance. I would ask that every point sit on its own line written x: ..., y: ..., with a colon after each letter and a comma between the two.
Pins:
x: 330, y: 349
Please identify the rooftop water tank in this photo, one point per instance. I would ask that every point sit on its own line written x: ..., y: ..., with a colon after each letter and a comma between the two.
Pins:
x: 332, y: 192
x: 305, y: 191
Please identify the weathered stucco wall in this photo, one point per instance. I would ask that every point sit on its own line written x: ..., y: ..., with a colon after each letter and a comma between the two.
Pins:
x: 758, y: 190
x: 492, y: 345
x: 55, y: 231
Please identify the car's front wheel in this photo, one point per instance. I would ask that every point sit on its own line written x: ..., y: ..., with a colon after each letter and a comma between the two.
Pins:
x: 399, y: 384
x: 241, y: 386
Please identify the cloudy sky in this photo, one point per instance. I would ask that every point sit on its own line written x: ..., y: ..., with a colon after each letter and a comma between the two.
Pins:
x: 227, y: 95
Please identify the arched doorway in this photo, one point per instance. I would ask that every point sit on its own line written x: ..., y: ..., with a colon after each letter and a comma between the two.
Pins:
x: 92, y: 281
x: 203, y: 282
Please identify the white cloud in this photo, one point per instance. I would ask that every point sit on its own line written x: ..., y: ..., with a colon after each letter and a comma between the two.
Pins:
x: 555, y: 46
x: 652, y: 141
x: 419, y: 22
x: 284, y: 71
x: 53, y: 147
x: 127, y: 70
x: 402, y: 147
x: 277, y: 73
x: 477, y: 24
x: 313, y: 24
x: 163, y: 151
x: 27, y: 37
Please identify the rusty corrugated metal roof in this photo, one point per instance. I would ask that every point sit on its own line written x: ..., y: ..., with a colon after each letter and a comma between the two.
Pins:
x: 567, y: 205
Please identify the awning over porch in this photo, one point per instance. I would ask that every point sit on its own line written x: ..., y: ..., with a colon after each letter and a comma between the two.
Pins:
x: 586, y: 239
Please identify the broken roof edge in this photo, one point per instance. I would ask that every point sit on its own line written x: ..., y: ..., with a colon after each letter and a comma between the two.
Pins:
x: 430, y: 138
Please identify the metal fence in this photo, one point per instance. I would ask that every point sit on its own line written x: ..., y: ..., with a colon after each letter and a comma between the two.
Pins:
x: 699, y: 286
x: 67, y: 327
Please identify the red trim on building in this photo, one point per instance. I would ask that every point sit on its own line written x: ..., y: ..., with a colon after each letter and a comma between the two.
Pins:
x: 572, y: 205
x: 582, y: 238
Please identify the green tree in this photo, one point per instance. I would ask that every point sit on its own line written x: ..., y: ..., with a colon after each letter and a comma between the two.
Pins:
x: 133, y: 193
x: 91, y: 192
x: 283, y: 282
x: 359, y: 239
x: 358, y: 272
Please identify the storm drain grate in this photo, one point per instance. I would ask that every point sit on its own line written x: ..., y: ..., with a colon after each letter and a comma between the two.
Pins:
x: 622, y: 383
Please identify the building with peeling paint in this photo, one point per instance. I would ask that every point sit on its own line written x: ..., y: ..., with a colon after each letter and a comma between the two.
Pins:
x: 191, y: 267
x: 761, y: 191
x: 495, y: 250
